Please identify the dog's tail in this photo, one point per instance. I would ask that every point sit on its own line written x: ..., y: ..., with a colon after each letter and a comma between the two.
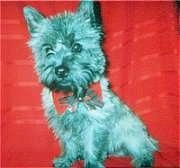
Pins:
x: 48, y: 104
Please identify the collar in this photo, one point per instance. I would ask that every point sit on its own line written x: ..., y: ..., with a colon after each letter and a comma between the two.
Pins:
x: 66, y: 101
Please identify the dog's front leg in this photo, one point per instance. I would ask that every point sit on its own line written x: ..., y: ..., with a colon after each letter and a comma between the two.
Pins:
x: 94, y: 160
x: 62, y: 162
x: 95, y: 147
x: 95, y: 164
x: 69, y: 155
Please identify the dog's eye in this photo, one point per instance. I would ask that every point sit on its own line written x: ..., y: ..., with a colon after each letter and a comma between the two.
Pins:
x: 76, y: 47
x: 49, y: 51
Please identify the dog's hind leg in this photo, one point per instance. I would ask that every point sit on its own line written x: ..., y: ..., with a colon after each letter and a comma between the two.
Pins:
x: 143, y: 161
x: 141, y: 150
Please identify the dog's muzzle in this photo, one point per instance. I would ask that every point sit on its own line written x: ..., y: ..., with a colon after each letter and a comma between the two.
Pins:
x: 61, y: 71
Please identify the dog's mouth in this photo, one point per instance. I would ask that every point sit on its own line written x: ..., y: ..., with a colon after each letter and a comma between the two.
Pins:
x: 65, y: 85
x: 74, y: 82
x: 61, y: 85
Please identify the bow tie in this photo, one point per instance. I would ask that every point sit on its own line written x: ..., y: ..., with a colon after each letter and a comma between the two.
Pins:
x: 90, y: 100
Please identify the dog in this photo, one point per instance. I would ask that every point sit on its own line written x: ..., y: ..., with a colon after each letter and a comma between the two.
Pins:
x: 68, y: 56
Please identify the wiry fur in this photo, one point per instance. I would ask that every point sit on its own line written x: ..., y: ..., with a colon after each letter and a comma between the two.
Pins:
x: 88, y: 134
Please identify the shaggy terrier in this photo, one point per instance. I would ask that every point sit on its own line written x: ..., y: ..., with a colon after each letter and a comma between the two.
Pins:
x: 69, y: 58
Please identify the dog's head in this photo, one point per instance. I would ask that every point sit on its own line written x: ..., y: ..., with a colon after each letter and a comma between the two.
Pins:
x: 67, y: 47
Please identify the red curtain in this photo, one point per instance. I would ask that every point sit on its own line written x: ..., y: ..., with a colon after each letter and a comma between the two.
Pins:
x: 141, y: 47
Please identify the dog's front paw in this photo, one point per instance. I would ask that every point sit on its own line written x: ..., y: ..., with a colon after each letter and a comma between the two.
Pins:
x: 94, y: 165
x: 61, y: 163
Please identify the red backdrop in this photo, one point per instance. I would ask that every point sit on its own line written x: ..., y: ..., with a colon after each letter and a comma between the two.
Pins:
x: 141, y: 46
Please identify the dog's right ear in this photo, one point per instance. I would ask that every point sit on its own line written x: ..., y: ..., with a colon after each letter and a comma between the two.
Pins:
x: 33, y: 18
x: 92, y: 10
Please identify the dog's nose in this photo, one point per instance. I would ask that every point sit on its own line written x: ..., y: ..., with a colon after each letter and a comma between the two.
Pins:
x: 61, y: 71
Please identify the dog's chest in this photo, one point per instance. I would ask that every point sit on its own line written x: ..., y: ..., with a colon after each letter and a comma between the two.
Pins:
x: 81, y: 121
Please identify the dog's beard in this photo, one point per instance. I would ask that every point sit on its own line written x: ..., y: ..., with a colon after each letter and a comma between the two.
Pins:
x: 76, y: 81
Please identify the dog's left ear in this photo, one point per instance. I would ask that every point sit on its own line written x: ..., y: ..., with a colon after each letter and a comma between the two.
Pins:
x: 33, y: 18
x: 92, y: 10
